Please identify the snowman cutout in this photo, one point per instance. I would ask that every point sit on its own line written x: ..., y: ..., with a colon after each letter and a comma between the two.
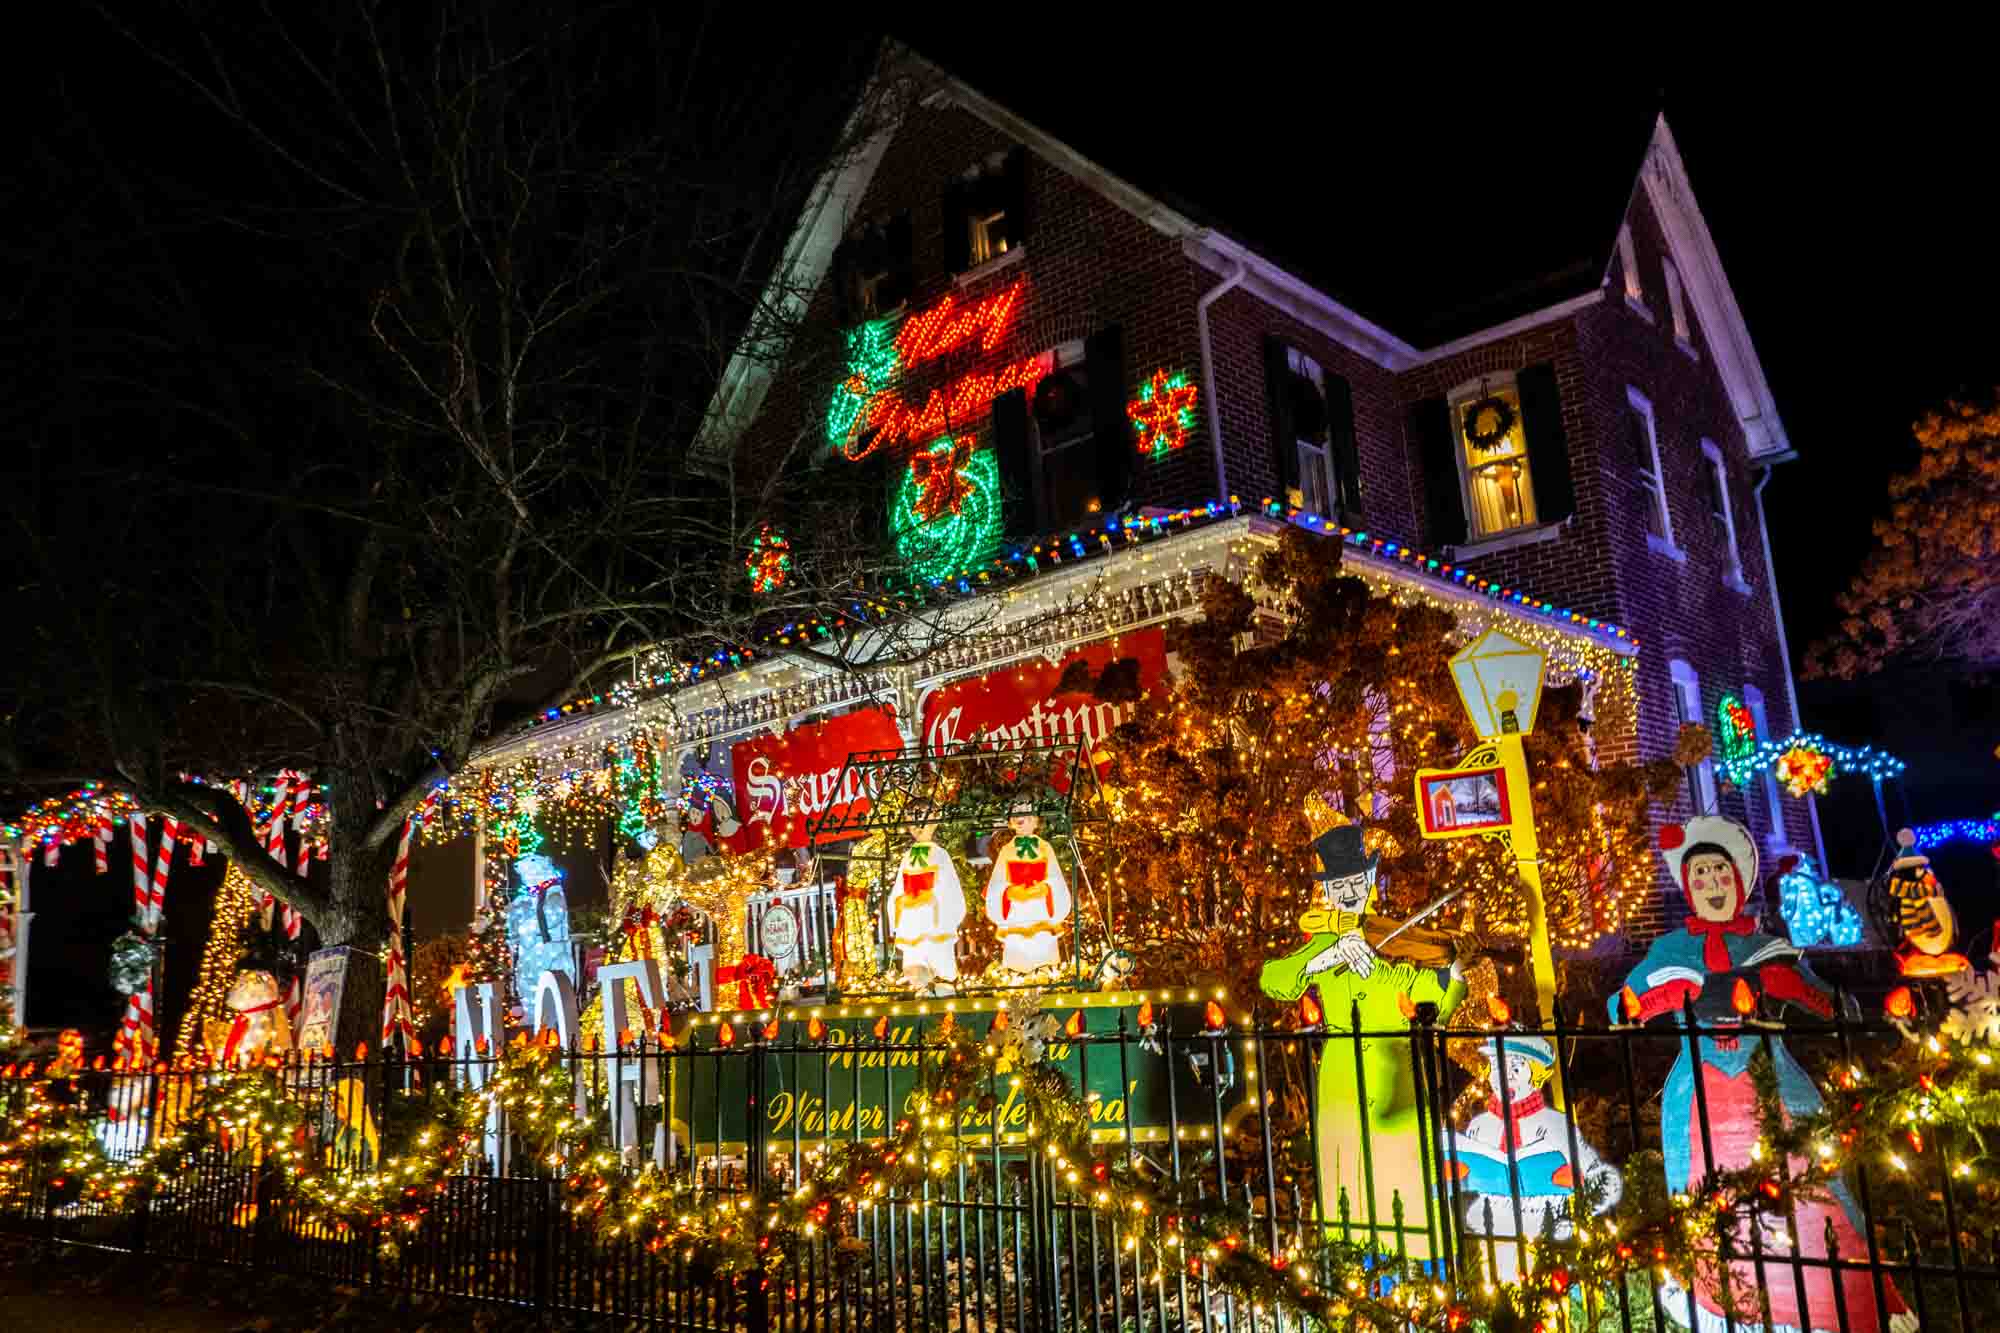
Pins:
x: 1519, y: 1150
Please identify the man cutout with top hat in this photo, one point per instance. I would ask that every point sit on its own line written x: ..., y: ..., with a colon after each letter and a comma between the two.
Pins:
x: 1370, y: 1136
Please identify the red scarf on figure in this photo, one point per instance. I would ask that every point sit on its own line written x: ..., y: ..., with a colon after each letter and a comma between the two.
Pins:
x: 241, y: 1029
x: 1715, y: 949
x: 1512, y: 1116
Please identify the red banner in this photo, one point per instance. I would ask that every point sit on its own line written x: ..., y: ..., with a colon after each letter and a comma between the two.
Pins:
x: 784, y: 783
x: 1018, y: 703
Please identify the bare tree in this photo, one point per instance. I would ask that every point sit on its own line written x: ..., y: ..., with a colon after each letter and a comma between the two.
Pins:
x: 362, y: 375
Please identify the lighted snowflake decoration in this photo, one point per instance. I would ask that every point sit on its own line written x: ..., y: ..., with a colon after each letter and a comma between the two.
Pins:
x: 769, y: 563
x: 1975, y: 1006
x: 1803, y: 769
x: 1163, y: 413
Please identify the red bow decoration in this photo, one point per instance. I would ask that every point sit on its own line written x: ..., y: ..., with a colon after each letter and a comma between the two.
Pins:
x: 941, y: 479
x: 1714, y: 949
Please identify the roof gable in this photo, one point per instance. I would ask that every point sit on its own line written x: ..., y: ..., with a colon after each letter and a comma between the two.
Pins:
x: 1664, y: 179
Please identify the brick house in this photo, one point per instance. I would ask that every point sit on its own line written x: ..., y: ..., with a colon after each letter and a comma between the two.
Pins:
x: 1587, y: 449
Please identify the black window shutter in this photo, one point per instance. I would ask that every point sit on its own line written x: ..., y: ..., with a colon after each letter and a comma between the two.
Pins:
x: 1104, y: 362
x: 1548, y: 447
x: 1444, y: 506
x: 957, y: 227
x: 901, y: 263
x: 1017, y: 475
x: 1015, y: 200
x: 1341, y: 443
x: 1278, y: 390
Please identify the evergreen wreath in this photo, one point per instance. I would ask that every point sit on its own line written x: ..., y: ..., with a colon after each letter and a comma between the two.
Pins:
x: 131, y: 963
x: 1502, y: 413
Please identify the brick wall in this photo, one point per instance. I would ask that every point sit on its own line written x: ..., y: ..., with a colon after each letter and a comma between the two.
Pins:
x: 1089, y: 264
x: 1238, y: 325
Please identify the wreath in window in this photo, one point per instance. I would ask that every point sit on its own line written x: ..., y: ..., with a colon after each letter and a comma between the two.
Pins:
x: 1488, y: 421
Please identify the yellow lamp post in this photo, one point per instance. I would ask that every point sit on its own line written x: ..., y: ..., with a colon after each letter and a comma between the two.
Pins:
x: 1499, y: 681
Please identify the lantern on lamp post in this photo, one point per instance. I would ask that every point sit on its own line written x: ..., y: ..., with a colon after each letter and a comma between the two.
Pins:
x: 1499, y: 681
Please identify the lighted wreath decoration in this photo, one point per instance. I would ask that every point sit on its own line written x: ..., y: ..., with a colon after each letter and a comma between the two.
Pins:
x: 1501, y: 413
x: 769, y: 563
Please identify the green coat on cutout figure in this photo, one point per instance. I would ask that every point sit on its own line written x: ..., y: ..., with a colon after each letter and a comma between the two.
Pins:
x: 1387, y: 987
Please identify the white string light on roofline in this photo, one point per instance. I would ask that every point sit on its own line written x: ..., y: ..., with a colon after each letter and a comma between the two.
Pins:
x: 570, y: 782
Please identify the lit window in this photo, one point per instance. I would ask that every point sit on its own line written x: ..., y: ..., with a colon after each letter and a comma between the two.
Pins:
x: 1493, y: 456
x: 989, y: 238
x: 1687, y: 708
x: 1628, y: 259
x: 1676, y: 301
x: 1642, y: 443
x: 1724, y: 517
x: 1311, y: 424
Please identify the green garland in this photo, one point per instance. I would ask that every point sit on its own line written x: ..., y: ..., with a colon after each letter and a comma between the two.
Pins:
x: 1950, y: 1091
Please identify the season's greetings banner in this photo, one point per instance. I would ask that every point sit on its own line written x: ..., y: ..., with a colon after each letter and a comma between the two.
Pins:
x: 784, y: 783
x: 1019, y: 703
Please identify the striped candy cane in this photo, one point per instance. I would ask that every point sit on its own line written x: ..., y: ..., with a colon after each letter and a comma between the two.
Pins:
x: 141, y: 897
x: 157, y: 905
x: 295, y: 996
x: 397, y: 1017
x: 100, y: 843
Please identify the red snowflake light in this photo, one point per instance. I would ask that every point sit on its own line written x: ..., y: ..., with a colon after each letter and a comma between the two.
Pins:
x: 1163, y: 413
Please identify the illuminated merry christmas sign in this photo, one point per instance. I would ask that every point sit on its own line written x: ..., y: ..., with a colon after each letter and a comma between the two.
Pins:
x: 868, y: 411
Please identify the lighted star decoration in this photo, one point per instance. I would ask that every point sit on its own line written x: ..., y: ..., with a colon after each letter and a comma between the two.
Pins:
x: 939, y: 476
x: 769, y: 563
x: 1803, y: 769
x: 1163, y: 413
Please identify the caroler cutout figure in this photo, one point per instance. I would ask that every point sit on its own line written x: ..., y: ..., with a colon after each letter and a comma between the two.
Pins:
x: 1027, y: 899
x: 926, y: 906
x: 1519, y: 1147
x: 1728, y: 968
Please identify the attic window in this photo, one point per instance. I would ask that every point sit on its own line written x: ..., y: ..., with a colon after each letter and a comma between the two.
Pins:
x: 986, y: 212
x: 873, y: 269
x: 1676, y: 302
x: 1628, y: 260
x: 988, y: 235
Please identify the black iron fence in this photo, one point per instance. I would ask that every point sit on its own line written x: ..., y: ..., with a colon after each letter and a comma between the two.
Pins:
x: 1457, y: 1175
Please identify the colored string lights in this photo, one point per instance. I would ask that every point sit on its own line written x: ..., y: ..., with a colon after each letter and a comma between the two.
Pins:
x: 1163, y: 413
x: 1805, y: 762
x: 1985, y: 831
x: 936, y: 535
x: 769, y: 563
x: 1442, y: 570
x: 1735, y: 738
x: 1815, y: 910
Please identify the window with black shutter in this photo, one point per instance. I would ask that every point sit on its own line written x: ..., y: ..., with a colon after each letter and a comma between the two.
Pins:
x: 1312, y: 433
x: 874, y: 269
x: 1081, y: 437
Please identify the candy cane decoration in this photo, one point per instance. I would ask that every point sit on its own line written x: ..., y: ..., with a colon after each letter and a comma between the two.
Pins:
x: 141, y: 898
x: 397, y: 1018
x: 157, y: 907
